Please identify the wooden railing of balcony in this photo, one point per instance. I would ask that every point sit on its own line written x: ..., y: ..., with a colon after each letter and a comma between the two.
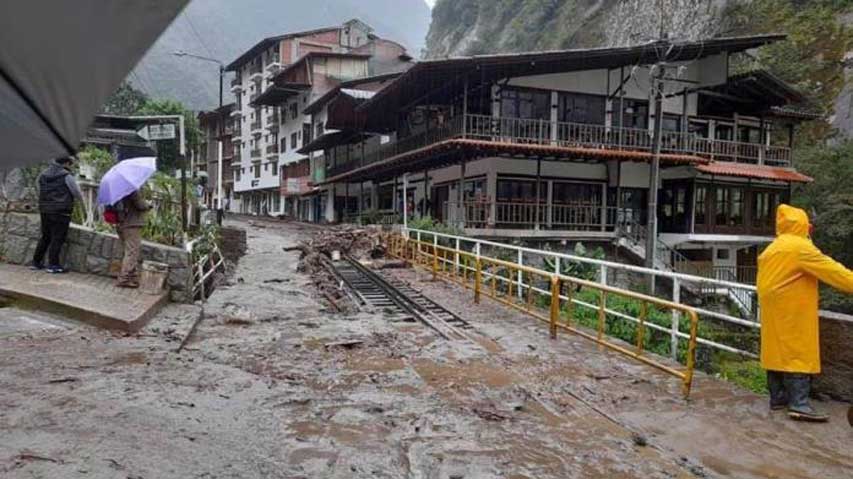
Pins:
x: 529, y: 215
x: 543, y: 132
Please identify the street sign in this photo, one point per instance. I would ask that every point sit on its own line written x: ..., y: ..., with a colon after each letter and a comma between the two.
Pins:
x: 157, y: 132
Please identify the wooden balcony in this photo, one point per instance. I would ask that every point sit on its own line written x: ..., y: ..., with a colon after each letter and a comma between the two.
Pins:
x: 528, y: 216
x: 563, y: 134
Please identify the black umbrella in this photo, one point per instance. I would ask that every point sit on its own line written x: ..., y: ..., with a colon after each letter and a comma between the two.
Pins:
x: 60, y: 60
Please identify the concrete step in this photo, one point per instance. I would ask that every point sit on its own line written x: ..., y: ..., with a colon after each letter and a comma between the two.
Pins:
x: 86, y: 298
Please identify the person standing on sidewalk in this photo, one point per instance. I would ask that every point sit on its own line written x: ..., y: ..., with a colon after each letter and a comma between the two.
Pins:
x: 788, y: 274
x: 57, y: 191
x: 131, y: 216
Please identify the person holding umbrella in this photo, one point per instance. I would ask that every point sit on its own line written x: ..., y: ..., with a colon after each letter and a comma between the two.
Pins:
x: 125, y: 208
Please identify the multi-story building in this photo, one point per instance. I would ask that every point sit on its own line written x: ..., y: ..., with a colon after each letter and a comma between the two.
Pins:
x: 217, y: 126
x: 275, y: 81
x: 558, y: 145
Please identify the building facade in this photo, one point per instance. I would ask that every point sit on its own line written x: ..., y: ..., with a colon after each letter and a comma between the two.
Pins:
x: 558, y: 145
x: 217, y: 126
x: 275, y: 81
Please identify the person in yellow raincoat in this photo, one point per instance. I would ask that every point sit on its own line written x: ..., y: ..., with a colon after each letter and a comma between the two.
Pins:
x: 788, y: 273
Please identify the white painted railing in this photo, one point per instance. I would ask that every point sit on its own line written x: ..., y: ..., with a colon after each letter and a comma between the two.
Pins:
x: 525, y: 256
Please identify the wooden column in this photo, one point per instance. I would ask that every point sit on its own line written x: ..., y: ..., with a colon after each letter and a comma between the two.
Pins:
x: 460, y: 195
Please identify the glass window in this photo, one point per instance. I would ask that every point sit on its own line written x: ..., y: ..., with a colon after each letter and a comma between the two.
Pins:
x: 293, y: 141
x: 580, y: 108
x: 520, y: 191
x: 257, y: 170
x: 724, y: 132
x: 701, y: 195
x: 635, y: 113
x: 723, y: 196
x: 320, y: 129
x: 527, y: 104
x: 294, y: 110
x: 671, y: 123
x: 736, y: 218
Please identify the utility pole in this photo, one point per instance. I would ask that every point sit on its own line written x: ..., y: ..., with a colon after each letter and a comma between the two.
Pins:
x: 654, y: 173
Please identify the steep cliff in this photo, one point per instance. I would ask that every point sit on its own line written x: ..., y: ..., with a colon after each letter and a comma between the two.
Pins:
x: 469, y: 27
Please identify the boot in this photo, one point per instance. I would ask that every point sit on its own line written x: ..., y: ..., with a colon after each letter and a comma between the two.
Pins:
x: 778, y: 395
x: 798, y: 386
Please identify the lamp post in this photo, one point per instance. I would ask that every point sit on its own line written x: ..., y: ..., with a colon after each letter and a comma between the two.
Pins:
x: 219, y: 211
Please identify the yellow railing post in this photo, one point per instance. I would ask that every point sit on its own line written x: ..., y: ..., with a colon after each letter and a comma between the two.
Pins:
x: 434, y: 263
x: 691, y: 353
x: 478, y: 276
x: 555, y: 304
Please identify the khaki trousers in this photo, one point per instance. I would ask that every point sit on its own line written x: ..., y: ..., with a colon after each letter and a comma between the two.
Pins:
x: 131, y: 242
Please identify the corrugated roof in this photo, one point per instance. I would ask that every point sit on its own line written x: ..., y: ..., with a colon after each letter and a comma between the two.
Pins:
x: 746, y: 170
x: 267, y: 42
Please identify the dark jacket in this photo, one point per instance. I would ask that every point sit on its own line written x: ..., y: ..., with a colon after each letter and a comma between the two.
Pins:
x: 55, y: 193
x: 132, y: 213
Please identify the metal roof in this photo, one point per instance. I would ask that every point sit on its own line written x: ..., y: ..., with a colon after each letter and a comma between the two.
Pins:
x: 451, y: 73
x: 268, y: 42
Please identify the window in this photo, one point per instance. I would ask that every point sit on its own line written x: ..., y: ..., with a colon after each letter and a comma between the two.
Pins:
x: 730, y: 206
x: 320, y: 129
x: 266, y: 167
x: 527, y: 104
x: 671, y: 122
x: 723, y: 205
x: 306, y: 133
x: 723, y: 254
x: 294, y: 111
x: 257, y: 170
x: 634, y: 112
x: 763, y: 207
x: 701, y: 195
x: 284, y: 145
x: 520, y: 191
x: 237, y: 175
x: 724, y: 132
x: 580, y: 108
x: 293, y: 141
x: 736, y: 218
x: 274, y: 168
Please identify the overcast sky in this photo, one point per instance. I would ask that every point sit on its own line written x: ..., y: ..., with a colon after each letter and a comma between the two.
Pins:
x: 431, y: 3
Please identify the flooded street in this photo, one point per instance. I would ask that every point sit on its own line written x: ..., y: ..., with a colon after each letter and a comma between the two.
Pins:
x: 276, y: 385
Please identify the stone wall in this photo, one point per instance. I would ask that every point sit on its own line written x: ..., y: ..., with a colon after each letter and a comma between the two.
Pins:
x: 88, y: 251
x: 836, y: 350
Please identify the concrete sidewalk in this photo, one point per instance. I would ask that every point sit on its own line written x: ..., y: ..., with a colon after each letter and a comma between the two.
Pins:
x: 84, y: 297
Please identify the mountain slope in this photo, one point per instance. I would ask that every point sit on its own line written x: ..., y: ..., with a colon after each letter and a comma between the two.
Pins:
x: 223, y: 29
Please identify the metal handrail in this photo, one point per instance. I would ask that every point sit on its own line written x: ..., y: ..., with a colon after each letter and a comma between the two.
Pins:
x: 438, y: 258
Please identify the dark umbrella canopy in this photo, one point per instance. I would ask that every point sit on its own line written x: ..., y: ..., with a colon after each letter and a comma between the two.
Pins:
x: 59, y: 62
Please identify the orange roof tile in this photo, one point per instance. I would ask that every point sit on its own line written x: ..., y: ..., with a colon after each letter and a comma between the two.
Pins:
x: 763, y: 172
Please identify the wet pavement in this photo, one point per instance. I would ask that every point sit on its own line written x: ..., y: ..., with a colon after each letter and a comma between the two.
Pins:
x: 274, y: 385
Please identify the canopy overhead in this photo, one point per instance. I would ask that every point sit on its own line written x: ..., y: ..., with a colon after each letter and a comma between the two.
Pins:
x: 60, y: 61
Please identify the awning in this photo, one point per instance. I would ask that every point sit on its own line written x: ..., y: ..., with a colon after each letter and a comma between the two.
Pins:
x: 277, y: 94
x: 334, y: 138
x: 60, y: 61
x: 745, y: 170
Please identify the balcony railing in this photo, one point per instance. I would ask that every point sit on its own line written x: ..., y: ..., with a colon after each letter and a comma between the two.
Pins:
x: 255, y: 125
x: 237, y: 81
x: 272, y: 149
x: 529, y: 215
x: 256, y: 153
x: 565, y: 134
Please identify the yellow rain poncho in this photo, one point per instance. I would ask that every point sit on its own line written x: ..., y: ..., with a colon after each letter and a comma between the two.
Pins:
x: 788, y: 274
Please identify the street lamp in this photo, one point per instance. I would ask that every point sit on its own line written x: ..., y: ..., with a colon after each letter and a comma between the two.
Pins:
x: 181, y: 53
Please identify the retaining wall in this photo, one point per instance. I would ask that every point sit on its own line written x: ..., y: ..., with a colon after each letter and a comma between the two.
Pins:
x: 88, y: 251
x: 836, y: 350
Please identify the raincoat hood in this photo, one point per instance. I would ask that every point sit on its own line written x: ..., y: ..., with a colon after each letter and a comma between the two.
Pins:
x: 791, y: 221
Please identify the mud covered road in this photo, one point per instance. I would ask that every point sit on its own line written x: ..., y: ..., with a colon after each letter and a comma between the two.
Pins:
x: 275, y: 386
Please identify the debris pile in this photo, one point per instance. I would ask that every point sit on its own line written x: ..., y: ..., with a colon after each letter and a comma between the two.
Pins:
x: 360, y: 243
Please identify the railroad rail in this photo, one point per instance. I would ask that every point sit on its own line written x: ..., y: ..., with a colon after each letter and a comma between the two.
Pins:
x: 398, y: 299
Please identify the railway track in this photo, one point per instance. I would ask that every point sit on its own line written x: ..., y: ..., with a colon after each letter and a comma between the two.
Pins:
x: 399, y: 300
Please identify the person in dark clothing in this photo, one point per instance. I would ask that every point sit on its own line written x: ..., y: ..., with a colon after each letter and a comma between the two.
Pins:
x: 57, y: 191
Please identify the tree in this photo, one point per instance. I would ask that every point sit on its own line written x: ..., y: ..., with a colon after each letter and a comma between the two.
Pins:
x: 829, y: 201
x: 126, y: 100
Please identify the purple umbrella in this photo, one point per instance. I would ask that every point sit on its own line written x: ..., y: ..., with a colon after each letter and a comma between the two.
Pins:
x: 124, y: 178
